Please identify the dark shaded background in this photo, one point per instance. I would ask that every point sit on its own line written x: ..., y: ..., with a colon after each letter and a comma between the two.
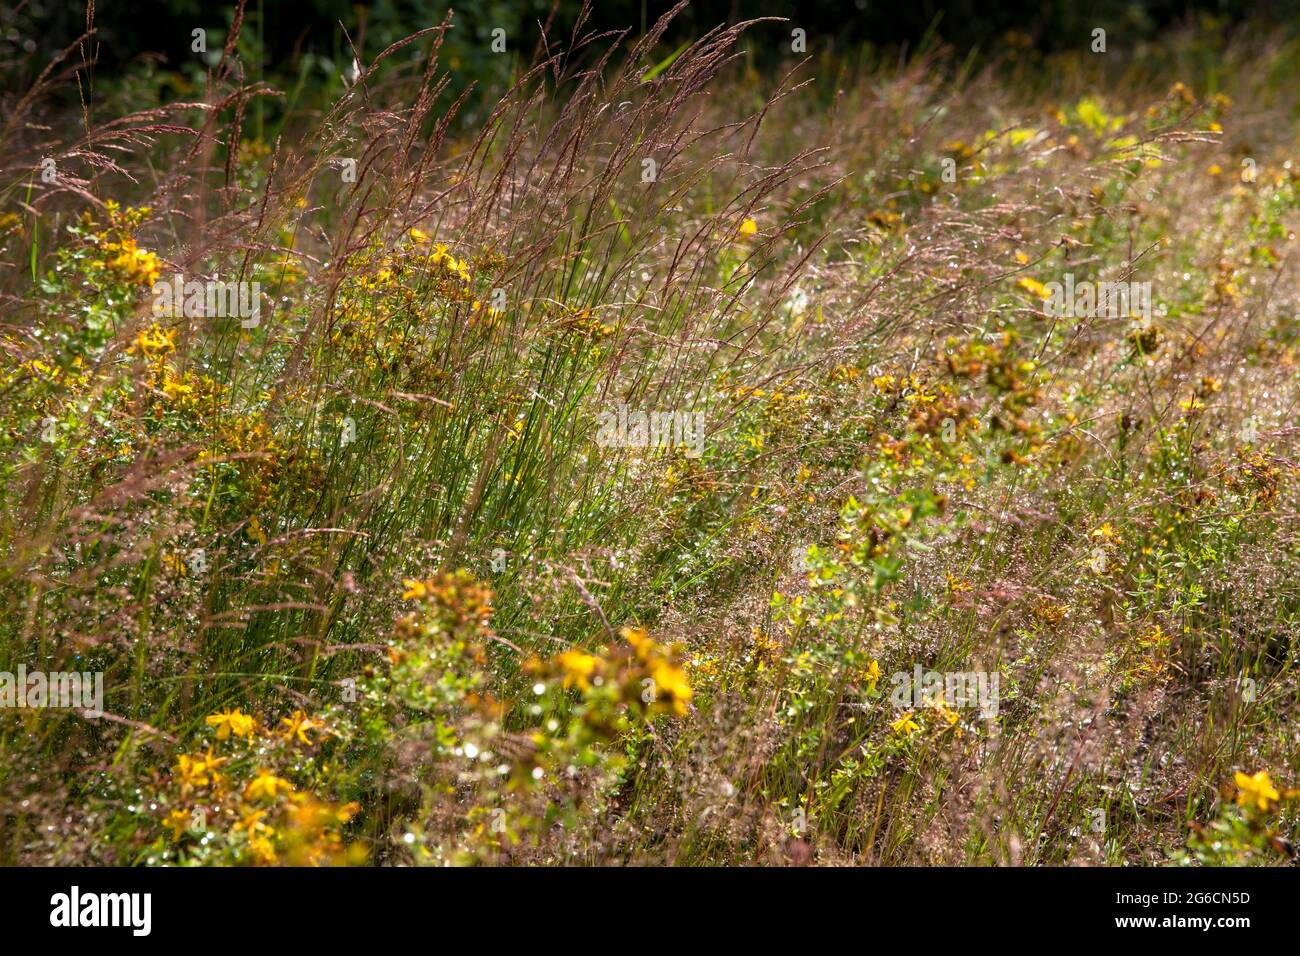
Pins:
x: 283, y: 31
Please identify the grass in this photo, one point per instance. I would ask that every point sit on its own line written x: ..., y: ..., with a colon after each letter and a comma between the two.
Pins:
x: 367, y: 584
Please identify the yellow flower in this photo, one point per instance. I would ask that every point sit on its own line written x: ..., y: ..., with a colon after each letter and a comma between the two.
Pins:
x: 415, y: 590
x: 262, y: 849
x: 251, y: 822
x: 255, y: 532
x: 905, y: 725
x: 178, y: 821
x: 259, y: 834
x: 946, y: 713
x: 1257, y: 790
x: 298, y: 726
x: 872, y: 673
x: 198, y: 771
x: 174, y: 387
x: 132, y: 263
x: 578, y: 668
x: 440, y: 256
x: 492, y: 313
x: 266, y: 785
x: 1034, y: 287
x: 154, y: 341
x: 230, y: 722
x: 884, y: 219
x: 670, y: 680
x: 640, y: 640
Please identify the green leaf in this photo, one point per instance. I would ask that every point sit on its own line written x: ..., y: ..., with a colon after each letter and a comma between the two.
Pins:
x: 664, y: 64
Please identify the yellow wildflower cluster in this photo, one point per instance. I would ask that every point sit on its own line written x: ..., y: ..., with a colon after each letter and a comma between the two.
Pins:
x: 200, y: 770
x: 77, y: 378
x: 937, y: 715
x: 659, y: 664
x: 154, y: 342
x: 259, y: 814
x: 114, y: 247
x: 185, y: 391
x: 643, y: 674
x: 131, y: 263
x: 775, y: 396
x: 439, y: 256
x: 1255, y: 474
x: 265, y: 465
x: 455, y: 600
x: 309, y: 835
x: 1151, y: 649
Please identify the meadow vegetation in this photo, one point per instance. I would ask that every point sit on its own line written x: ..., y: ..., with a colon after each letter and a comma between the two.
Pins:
x: 365, y: 588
